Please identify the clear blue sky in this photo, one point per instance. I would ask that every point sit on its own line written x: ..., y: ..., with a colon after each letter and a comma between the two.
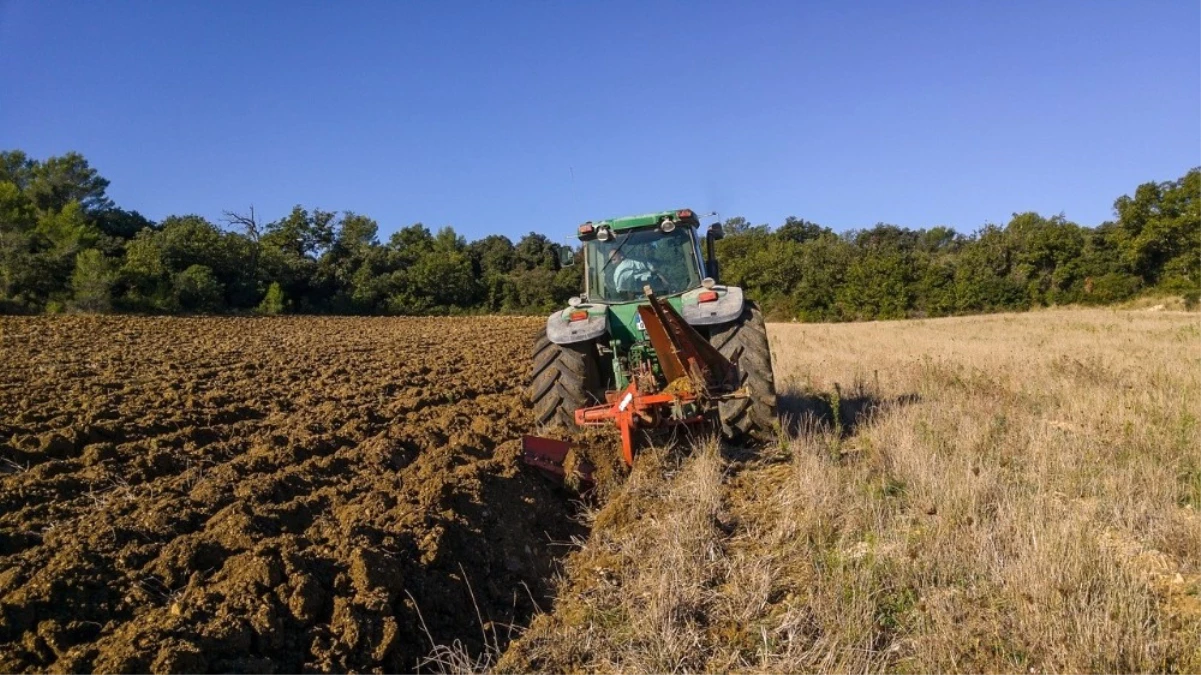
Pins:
x: 478, y: 114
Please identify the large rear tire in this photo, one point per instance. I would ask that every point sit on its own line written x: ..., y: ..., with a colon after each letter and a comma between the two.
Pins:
x: 564, y: 379
x: 750, y: 419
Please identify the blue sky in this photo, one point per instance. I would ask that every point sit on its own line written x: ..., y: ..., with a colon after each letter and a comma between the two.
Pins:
x: 516, y: 116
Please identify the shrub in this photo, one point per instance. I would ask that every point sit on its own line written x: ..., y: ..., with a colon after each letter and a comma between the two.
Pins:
x: 274, y: 302
x: 1111, y: 288
x: 92, y: 282
x: 197, y: 289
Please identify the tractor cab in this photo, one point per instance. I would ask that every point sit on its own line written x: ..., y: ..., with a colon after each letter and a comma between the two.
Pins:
x: 625, y: 257
x: 621, y: 257
x: 661, y: 250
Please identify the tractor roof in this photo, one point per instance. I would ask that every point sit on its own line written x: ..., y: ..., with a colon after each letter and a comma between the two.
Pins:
x: 681, y: 216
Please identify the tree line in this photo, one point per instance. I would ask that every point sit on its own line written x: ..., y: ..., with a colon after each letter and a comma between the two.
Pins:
x: 805, y: 271
x: 65, y: 246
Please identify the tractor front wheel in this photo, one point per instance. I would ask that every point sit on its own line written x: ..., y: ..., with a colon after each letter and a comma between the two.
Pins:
x: 564, y: 379
x: 754, y: 418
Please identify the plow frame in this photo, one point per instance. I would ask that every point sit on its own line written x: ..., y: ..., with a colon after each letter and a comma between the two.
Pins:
x: 630, y: 409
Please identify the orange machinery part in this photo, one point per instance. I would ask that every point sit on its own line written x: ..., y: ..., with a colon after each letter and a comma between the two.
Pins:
x: 627, y: 409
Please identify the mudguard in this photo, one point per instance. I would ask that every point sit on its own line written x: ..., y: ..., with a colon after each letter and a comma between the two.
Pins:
x: 727, y: 307
x: 561, y: 330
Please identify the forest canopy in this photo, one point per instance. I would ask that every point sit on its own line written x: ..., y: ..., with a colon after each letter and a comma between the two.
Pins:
x: 66, y: 246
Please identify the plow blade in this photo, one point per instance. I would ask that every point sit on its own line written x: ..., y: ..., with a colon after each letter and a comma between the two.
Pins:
x: 682, y: 351
x: 549, y: 456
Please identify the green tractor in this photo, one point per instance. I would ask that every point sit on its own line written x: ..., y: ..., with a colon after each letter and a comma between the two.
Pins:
x: 655, y: 338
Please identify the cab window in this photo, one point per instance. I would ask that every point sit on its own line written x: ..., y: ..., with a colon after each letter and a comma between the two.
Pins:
x: 619, y: 268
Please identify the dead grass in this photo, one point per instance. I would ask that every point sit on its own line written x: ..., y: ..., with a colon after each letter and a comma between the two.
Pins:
x: 1002, y: 493
x: 1159, y: 303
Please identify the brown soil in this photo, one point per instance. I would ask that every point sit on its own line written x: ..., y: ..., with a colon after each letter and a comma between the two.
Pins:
x: 292, y: 494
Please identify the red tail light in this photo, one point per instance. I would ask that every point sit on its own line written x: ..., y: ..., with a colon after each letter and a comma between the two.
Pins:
x: 586, y: 228
x: 707, y: 296
x: 579, y: 315
x: 684, y: 213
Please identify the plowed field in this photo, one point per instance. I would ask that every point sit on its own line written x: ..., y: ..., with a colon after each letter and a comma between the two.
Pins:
x: 265, y: 494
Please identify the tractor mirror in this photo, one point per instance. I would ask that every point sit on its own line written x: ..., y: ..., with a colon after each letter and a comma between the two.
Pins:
x: 713, y: 267
x: 566, y: 256
x: 715, y: 232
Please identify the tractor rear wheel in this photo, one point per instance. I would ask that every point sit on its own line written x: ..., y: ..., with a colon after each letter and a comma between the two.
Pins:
x: 564, y: 379
x: 754, y: 418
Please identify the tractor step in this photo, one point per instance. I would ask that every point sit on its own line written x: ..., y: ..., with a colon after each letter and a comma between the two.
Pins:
x: 549, y: 456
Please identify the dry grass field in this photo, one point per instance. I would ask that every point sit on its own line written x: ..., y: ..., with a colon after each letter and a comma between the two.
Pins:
x: 1001, y: 493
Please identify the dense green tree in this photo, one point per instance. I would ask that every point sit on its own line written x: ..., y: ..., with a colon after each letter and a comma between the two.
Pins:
x: 1045, y: 251
x: 92, y: 282
x: 493, y: 259
x: 198, y: 290
x: 531, y: 290
x: 351, y: 263
x: 371, y: 284
x: 155, y: 257
x: 982, y: 274
x: 1102, y: 275
x: 879, y: 284
x: 1159, y: 232
x: 938, y: 240
x: 443, y: 280
x: 57, y: 238
x: 738, y: 226
x: 20, y: 276
x: 493, y: 254
x: 823, y: 263
x: 410, y: 243
x: 120, y: 223
x: 536, y: 251
x: 934, y: 286
x: 17, y: 168
x: 290, y: 250
x: 799, y: 231
x: 60, y: 181
x: 301, y: 233
x: 737, y: 255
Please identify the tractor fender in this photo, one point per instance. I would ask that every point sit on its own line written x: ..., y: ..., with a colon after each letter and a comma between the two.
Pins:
x: 561, y: 330
x: 727, y: 307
